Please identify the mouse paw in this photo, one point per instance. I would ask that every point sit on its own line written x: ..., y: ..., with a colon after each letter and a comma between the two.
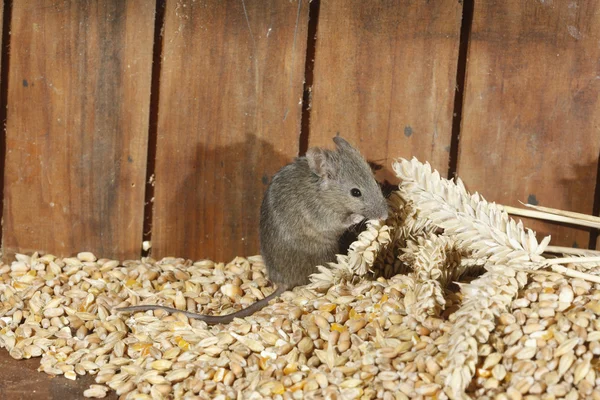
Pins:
x: 354, y: 219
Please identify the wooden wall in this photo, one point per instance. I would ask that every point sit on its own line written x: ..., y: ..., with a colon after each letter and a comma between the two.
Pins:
x: 164, y: 120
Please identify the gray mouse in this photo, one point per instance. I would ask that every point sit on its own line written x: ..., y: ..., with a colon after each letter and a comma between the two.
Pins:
x: 307, y: 207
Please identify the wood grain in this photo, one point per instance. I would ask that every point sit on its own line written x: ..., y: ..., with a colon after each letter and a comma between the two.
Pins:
x: 78, y: 102
x: 385, y: 78
x: 22, y: 381
x: 229, y: 118
x: 530, y: 130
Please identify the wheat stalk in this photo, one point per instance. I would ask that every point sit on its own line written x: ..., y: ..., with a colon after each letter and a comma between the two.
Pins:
x: 571, y: 250
x: 571, y: 214
x: 551, y: 214
x: 595, y: 261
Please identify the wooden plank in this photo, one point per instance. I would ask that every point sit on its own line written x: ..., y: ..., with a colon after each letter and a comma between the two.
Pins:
x: 229, y: 118
x: 532, y: 111
x: 385, y: 78
x: 21, y: 381
x: 79, y: 91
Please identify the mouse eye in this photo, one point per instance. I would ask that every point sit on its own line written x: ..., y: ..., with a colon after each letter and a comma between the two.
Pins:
x: 355, y: 192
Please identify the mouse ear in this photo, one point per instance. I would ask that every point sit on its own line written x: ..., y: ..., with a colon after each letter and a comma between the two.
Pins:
x: 342, y: 144
x: 319, y: 162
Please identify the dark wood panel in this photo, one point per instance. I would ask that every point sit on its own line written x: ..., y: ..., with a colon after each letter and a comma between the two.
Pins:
x: 385, y: 78
x: 530, y: 129
x: 229, y: 117
x: 77, y: 130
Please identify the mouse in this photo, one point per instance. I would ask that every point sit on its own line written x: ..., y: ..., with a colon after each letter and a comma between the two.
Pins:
x: 306, y: 209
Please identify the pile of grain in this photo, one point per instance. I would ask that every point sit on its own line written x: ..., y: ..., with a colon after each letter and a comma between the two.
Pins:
x: 381, y: 322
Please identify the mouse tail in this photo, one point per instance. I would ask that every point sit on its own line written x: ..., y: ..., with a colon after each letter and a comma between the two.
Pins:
x: 212, y: 319
x: 251, y: 309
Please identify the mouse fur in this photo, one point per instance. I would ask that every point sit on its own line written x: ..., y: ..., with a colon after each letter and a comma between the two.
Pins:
x: 308, y: 207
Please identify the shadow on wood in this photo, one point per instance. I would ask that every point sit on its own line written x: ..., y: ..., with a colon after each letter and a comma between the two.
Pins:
x: 210, y: 216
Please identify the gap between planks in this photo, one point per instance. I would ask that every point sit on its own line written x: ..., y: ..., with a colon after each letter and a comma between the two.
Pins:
x: 461, y: 72
x: 309, y: 67
x: 159, y: 23
x: 4, y: 74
